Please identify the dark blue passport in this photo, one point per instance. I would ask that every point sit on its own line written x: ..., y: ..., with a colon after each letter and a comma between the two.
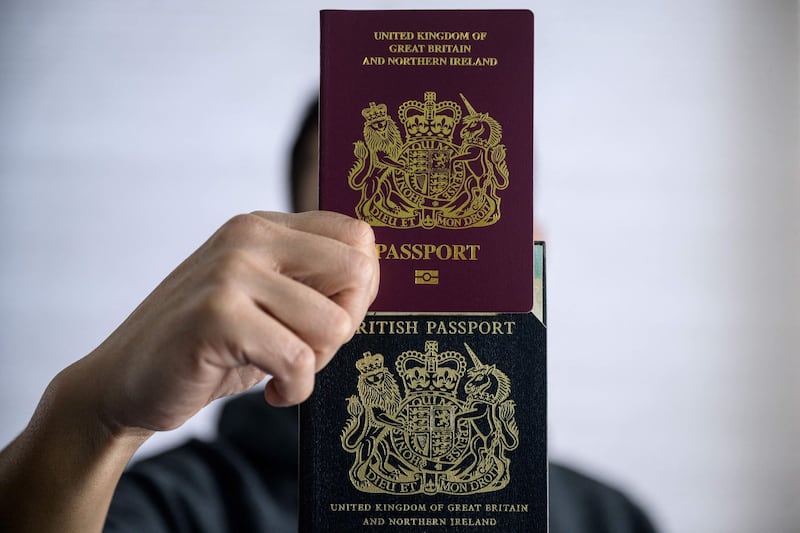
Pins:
x: 429, y: 423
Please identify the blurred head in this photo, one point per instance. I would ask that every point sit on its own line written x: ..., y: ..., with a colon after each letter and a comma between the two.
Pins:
x: 304, y: 164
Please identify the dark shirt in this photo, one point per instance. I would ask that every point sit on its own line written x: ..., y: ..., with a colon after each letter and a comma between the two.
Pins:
x: 246, y: 480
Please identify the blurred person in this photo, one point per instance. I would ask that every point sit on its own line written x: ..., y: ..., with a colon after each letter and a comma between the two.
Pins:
x: 255, y: 453
x: 268, y: 293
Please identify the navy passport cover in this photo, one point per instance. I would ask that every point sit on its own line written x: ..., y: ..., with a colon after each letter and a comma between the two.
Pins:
x: 426, y: 133
x: 429, y: 423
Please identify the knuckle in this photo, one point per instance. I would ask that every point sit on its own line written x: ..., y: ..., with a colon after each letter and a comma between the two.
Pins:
x: 299, y: 359
x: 243, y: 226
x: 230, y: 264
x: 360, y: 232
x: 224, y: 282
x: 265, y: 215
x: 360, y: 269
x: 220, y: 302
x: 350, y: 230
x: 341, y: 325
x: 340, y: 328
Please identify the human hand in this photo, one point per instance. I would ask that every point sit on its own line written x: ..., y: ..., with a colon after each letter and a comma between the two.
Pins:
x: 268, y: 293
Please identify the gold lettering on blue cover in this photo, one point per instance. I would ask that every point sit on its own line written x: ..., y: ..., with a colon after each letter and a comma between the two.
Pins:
x: 434, y: 437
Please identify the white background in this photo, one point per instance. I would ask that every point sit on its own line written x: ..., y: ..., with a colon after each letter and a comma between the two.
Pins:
x: 667, y: 189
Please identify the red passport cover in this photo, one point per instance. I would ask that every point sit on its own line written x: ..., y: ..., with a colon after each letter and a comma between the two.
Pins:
x: 426, y: 122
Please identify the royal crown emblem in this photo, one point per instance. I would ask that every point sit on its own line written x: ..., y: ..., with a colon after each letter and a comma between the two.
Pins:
x: 437, y: 436
x: 423, y: 177
x: 432, y: 371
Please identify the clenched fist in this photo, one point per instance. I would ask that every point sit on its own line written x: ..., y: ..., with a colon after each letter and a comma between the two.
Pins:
x: 268, y: 293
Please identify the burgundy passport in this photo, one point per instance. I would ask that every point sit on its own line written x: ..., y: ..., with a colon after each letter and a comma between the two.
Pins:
x: 426, y: 122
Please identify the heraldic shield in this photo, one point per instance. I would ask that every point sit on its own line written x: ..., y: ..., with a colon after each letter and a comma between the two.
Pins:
x: 436, y: 436
x: 423, y: 177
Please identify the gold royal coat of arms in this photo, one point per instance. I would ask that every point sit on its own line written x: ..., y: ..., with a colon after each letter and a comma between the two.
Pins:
x: 424, y: 178
x: 436, y: 438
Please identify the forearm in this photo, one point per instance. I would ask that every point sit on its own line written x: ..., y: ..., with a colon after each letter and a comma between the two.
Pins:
x: 60, y: 473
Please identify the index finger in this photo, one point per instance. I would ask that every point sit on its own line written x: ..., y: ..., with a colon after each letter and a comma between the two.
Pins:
x: 343, y: 228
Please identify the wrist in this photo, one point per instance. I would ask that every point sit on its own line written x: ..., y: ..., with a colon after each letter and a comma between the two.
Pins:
x: 60, y: 473
x: 89, y: 391
x: 77, y: 404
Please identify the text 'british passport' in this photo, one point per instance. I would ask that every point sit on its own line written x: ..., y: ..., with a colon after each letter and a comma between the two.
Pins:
x: 429, y: 423
x: 426, y: 133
